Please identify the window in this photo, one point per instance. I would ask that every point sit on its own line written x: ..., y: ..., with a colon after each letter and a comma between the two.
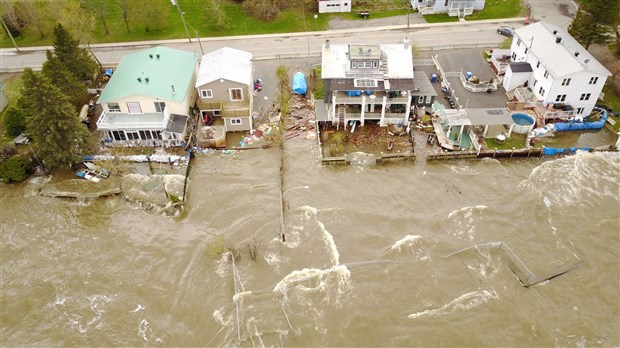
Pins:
x: 134, y: 108
x: 514, y: 56
x: 160, y: 106
x: 526, y: 50
x: 365, y: 65
x: 118, y: 135
x: 546, y: 73
x: 365, y: 83
x: 560, y: 98
x: 132, y: 135
x: 235, y: 94
x: 541, y: 91
x: 593, y: 80
x: 236, y: 121
x: 519, y: 42
x: 206, y: 93
x: 585, y: 96
x: 535, y: 82
x: 566, y: 82
x: 537, y: 65
x: 114, y: 107
x: 145, y: 135
x: 579, y: 111
x: 446, y: 4
x: 428, y: 99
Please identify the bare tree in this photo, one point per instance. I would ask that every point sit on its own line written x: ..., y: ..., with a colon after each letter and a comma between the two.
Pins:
x: 213, y: 9
x: 11, y: 15
x: 100, y: 8
x: 34, y: 12
x: 150, y: 14
x: 124, y: 6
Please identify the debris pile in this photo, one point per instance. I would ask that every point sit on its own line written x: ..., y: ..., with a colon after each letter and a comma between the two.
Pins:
x: 301, y: 119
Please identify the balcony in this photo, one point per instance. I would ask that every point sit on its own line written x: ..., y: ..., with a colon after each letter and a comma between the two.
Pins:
x: 121, y: 121
x: 341, y: 97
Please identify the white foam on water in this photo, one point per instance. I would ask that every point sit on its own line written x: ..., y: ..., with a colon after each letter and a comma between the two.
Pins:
x: 463, y: 170
x: 138, y: 308
x: 464, y: 302
x: 336, y: 278
x: 547, y: 201
x: 467, y: 210
x: 408, y: 240
x: 272, y: 258
x: 222, y: 267
x: 239, y: 297
x: 311, y: 214
x: 252, y: 328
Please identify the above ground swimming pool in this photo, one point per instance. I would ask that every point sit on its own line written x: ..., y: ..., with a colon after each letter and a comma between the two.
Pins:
x: 523, y: 122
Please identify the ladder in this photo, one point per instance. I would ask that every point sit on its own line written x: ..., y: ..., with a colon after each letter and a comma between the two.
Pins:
x: 341, y: 113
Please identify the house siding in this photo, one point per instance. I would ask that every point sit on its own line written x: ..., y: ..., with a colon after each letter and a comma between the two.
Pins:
x: 245, y: 124
x: 221, y: 93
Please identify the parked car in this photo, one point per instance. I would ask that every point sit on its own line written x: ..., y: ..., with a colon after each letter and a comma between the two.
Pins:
x: 506, y: 30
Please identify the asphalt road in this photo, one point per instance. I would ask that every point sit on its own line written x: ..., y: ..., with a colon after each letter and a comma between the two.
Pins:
x: 293, y: 45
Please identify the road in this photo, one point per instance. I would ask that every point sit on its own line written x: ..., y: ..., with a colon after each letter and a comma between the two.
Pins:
x: 273, y: 46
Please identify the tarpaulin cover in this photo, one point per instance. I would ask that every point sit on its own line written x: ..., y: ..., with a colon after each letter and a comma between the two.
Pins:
x: 550, y: 151
x: 565, y: 126
x: 353, y: 93
x: 299, y: 83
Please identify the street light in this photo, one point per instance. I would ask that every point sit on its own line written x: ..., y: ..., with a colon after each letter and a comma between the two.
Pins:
x: 282, y: 208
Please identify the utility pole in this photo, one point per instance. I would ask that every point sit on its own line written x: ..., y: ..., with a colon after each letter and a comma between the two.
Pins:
x: 9, y: 32
x: 176, y: 2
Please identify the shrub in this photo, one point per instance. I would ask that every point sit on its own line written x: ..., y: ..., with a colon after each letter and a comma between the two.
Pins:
x: 14, y: 169
x: 14, y: 121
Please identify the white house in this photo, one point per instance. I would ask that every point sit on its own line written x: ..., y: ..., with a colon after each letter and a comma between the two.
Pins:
x: 148, y: 99
x: 330, y: 6
x: 364, y: 83
x: 562, y: 71
x: 458, y: 8
x: 225, y: 87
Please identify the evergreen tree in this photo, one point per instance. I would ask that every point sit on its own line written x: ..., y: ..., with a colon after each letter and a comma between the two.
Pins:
x: 14, y: 121
x: 594, y: 21
x: 53, y: 125
x: 62, y: 78
x: 75, y: 58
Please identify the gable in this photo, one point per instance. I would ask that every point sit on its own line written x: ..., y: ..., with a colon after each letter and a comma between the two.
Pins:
x: 226, y: 63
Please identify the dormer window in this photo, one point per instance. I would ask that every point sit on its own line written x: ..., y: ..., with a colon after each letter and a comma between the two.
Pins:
x: 364, y: 64
x: 365, y: 82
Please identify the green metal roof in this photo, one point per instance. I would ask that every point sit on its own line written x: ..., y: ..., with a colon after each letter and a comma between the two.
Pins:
x: 152, y: 73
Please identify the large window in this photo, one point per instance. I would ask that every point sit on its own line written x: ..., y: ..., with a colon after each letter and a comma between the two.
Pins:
x: 541, y: 91
x: 118, y: 135
x: 566, y: 82
x: 206, y: 93
x: 560, y: 98
x: 114, y: 107
x: 236, y: 94
x: 593, y: 80
x: 365, y: 64
x: 235, y: 121
x: 585, y: 96
x: 134, y: 108
x: 365, y: 83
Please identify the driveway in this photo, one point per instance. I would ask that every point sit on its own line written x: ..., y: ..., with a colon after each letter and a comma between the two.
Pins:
x: 557, y: 12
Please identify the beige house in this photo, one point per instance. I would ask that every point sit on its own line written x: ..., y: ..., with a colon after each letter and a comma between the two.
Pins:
x: 148, y: 99
x: 225, y: 89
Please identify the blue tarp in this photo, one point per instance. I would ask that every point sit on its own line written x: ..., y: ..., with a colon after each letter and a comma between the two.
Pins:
x: 565, y: 126
x: 299, y: 83
x: 550, y: 151
x: 353, y: 93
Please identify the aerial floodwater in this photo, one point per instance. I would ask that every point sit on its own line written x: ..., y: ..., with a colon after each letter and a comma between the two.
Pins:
x: 407, y: 254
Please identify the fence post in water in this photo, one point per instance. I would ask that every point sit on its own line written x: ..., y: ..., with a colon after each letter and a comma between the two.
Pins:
x: 236, y: 298
x: 494, y: 152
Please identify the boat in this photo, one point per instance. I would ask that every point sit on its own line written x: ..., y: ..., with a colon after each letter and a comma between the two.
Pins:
x: 92, y: 172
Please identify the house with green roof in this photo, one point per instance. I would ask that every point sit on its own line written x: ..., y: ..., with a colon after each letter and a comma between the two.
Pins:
x: 149, y: 97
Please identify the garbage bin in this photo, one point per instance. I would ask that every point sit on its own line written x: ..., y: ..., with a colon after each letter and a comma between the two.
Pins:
x: 434, y: 78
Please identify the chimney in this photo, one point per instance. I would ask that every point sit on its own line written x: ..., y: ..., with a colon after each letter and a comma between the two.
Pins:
x: 558, y: 40
x: 576, y: 54
x: 157, y: 55
x: 146, y: 79
x: 151, y: 55
x: 173, y: 91
x: 327, y: 44
x: 139, y: 79
x: 555, y: 32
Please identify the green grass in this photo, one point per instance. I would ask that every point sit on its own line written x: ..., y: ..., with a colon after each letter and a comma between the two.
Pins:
x: 516, y: 140
x: 440, y: 18
x: 289, y: 20
x: 12, y: 86
x: 494, y: 9
x: 353, y: 15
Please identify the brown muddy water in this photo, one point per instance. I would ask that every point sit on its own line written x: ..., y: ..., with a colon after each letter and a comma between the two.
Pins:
x: 363, y: 263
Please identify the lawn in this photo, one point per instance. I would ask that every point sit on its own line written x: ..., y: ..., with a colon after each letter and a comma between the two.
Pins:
x: 492, y: 9
x: 612, y: 99
x: 12, y: 85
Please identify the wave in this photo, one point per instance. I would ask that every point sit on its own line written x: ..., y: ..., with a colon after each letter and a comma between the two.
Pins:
x: 318, y: 280
x: 311, y: 213
x: 408, y: 240
x: 466, y: 301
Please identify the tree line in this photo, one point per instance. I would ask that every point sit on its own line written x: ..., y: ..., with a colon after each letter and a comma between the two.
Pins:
x: 47, y: 110
x: 597, y: 22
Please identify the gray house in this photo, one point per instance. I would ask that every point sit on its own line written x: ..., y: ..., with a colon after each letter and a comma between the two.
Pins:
x: 454, y: 8
x: 366, y: 83
x: 225, y: 87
